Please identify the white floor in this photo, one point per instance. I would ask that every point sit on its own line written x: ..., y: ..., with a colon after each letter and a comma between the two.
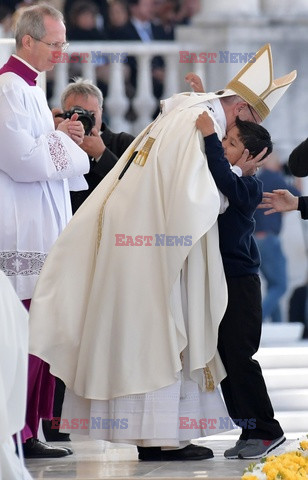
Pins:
x: 94, y: 460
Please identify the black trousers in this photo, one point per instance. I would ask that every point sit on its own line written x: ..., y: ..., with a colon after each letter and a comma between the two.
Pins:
x: 244, y: 389
x: 50, y: 430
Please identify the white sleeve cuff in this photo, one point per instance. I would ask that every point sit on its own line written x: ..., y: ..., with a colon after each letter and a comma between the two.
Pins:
x: 237, y: 170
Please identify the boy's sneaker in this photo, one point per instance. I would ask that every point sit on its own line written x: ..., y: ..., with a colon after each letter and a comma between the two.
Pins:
x: 256, y: 448
x: 233, y: 452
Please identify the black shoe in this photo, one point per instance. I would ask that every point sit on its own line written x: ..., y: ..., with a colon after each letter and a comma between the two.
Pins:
x: 34, y: 448
x: 53, y: 434
x: 149, y: 453
x: 191, y: 452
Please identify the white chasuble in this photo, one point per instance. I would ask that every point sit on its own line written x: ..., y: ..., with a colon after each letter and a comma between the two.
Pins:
x: 130, y: 298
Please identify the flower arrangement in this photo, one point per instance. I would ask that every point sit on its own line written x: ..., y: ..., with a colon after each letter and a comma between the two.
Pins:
x: 290, y: 465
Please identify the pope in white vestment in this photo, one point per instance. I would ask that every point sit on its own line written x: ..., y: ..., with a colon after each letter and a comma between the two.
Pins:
x: 142, y: 287
x: 134, y: 337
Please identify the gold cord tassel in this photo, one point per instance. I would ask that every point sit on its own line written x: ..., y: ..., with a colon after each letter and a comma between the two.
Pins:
x: 209, y: 381
x: 182, y: 359
x: 101, y: 214
x: 143, y: 154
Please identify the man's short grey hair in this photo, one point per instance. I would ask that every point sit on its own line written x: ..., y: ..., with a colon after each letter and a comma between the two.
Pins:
x: 232, y: 99
x: 82, y: 87
x: 31, y: 21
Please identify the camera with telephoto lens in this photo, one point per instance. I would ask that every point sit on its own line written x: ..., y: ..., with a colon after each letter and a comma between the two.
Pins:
x: 84, y: 116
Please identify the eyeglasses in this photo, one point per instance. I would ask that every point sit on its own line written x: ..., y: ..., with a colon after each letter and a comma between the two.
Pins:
x: 56, y: 45
x: 250, y: 109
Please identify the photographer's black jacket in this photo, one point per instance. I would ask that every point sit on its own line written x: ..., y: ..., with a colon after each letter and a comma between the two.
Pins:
x: 298, y: 160
x: 298, y: 164
x: 116, y: 144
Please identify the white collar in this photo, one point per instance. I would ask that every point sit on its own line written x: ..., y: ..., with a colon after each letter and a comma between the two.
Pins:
x: 219, y: 115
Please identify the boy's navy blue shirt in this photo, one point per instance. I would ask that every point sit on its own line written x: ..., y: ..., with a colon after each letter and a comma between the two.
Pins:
x: 236, y: 225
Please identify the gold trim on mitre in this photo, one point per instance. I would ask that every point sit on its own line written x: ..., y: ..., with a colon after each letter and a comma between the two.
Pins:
x: 256, y: 85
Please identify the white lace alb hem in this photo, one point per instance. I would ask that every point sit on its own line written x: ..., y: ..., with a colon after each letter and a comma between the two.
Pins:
x: 22, y: 263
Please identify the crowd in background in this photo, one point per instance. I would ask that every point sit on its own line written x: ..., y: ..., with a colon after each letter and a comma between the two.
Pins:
x: 114, y: 20
x: 104, y: 19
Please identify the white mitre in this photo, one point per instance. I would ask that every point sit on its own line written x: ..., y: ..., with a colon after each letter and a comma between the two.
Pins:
x: 256, y: 85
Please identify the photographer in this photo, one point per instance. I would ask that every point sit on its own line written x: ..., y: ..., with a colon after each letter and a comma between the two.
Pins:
x: 102, y: 145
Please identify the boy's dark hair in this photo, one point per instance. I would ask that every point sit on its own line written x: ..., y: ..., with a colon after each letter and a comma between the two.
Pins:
x: 254, y: 137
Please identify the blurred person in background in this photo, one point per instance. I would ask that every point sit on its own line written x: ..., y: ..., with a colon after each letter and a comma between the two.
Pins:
x: 282, y: 200
x: 84, y: 24
x: 188, y: 10
x: 83, y: 20
x: 267, y: 235
x: 141, y: 27
x: 102, y: 6
x: 166, y: 13
x: 117, y: 15
x: 6, y: 22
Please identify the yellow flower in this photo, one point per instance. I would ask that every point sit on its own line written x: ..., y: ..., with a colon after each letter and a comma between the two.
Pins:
x: 304, y: 445
x: 292, y: 465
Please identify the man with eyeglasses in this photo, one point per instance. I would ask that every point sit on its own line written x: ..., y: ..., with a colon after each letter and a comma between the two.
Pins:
x: 38, y: 167
x: 54, y: 45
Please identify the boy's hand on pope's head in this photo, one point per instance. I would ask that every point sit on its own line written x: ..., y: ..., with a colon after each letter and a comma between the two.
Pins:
x: 205, y: 124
